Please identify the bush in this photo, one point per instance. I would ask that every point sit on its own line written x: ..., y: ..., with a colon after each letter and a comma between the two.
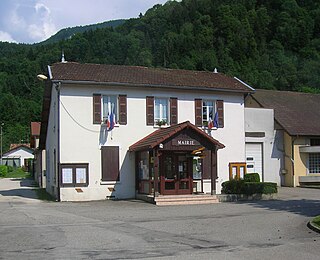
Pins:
x: 3, y: 171
x: 248, y: 188
x: 252, y: 177
x: 10, y: 168
x: 233, y: 187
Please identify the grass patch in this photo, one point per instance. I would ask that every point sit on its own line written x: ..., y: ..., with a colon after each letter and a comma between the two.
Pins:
x: 18, y: 173
x: 316, y: 221
x: 44, y: 195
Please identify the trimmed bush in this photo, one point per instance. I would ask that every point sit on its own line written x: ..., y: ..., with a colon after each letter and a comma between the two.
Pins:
x: 248, y: 188
x: 252, y: 177
x: 233, y: 186
x: 3, y: 171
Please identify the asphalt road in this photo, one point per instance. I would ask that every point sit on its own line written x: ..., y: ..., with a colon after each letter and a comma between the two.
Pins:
x: 30, y: 229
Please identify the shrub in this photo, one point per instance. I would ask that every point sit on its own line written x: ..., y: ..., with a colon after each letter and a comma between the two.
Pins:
x: 233, y: 186
x: 3, y: 171
x: 248, y: 188
x: 10, y: 168
x: 252, y: 177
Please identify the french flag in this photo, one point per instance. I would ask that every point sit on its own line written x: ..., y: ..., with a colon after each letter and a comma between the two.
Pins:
x: 110, y: 122
x: 215, y: 120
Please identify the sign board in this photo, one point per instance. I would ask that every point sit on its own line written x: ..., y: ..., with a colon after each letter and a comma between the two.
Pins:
x: 184, y: 142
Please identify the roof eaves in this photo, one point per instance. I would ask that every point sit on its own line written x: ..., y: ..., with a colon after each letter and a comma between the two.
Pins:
x: 90, y: 82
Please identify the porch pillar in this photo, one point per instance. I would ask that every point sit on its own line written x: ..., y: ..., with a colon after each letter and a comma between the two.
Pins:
x: 213, y: 170
x: 156, y: 173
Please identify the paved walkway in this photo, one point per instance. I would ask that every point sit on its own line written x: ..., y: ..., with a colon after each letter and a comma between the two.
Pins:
x: 18, y: 190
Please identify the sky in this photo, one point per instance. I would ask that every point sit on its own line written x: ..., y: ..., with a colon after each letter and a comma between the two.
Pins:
x: 30, y: 21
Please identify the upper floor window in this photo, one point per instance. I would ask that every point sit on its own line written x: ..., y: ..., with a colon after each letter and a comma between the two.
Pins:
x: 109, y: 106
x: 208, y: 110
x: 161, y: 111
x: 315, y: 142
x: 104, y: 105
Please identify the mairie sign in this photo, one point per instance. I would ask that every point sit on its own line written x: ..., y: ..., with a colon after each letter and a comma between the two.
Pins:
x: 184, y: 142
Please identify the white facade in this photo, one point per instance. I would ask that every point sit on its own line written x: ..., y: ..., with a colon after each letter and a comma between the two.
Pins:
x: 73, y: 138
x: 260, y: 132
x: 18, y: 154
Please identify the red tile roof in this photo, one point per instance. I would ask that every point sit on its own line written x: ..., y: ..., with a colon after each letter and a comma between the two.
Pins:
x: 154, y: 139
x: 298, y: 113
x: 143, y: 76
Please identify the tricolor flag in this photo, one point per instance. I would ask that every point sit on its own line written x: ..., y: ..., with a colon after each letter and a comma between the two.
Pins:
x: 210, y: 123
x: 110, y: 122
x: 215, y: 120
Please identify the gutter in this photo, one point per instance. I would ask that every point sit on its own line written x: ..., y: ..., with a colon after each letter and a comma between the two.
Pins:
x: 152, y: 86
x: 58, y: 86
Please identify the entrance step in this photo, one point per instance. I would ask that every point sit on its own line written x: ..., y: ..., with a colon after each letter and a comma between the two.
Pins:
x: 165, y: 200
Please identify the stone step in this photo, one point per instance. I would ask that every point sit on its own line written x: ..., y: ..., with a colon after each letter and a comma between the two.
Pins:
x: 185, y: 200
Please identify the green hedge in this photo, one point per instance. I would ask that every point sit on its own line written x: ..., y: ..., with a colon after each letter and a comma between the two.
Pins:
x: 252, y: 177
x: 248, y: 188
x: 3, y: 171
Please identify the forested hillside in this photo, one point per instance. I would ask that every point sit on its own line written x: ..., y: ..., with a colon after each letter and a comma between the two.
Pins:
x: 267, y: 43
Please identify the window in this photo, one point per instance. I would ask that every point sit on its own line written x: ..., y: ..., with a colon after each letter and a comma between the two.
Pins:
x: 161, y: 111
x: 237, y: 170
x: 314, y: 163
x: 315, y: 142
x: 74, y: 174
x: 110, y: 163
x: 109, y: 105
x: 207, y: 112
x: 103, y: 105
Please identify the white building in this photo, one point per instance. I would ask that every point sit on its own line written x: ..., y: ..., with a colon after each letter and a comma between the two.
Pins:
x: 160, y: 139
x: 18, y: 155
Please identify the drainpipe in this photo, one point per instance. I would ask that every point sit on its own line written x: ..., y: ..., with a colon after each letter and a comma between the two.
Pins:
x: 292, y: 158
x: 58, y: 86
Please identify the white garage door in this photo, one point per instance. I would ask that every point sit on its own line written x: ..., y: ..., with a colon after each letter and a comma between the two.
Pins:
x: 254, y: 158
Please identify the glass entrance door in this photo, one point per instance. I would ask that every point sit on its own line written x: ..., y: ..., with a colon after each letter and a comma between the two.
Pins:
x: 175, y: 174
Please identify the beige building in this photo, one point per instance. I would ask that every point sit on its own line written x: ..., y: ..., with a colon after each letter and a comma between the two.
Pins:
x: 297, y: 129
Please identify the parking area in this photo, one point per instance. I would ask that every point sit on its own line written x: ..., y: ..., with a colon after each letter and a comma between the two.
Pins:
x: 138, y: 230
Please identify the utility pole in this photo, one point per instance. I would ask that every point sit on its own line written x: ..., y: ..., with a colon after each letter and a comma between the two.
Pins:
x: 2, y: 124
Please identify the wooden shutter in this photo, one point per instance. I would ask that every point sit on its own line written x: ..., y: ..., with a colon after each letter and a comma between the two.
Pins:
x: 150, y: 110
x: 219, y: 105
x: 198, y: 112
x: 122, y: 109
x: 110, y: 163
x: 96, y: 108
x: 173, y: 111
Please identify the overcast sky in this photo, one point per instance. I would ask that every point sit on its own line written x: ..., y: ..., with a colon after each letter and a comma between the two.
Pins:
x: 30, y: 21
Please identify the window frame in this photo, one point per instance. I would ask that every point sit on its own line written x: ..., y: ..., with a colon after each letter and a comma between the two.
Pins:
x: 205, y: 122
x: 161, y: 118
x: 74, y: 167
x: 103, y: 119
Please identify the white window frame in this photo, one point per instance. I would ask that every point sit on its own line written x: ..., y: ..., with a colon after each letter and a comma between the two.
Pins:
x: 109, y: 103
x: 161, y: 117
x: 205, y: 120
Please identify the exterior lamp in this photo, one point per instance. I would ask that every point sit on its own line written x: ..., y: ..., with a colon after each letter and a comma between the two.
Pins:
x: 42, y: 77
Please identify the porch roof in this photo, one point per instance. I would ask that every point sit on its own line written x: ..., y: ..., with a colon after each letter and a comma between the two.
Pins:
x: 154, y: 139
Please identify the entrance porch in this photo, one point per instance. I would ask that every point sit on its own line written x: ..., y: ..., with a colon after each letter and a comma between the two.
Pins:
x: 180, y: 160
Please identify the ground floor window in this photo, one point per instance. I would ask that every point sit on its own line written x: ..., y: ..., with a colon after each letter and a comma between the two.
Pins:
x: 74, y: 174
x: 314, y: 163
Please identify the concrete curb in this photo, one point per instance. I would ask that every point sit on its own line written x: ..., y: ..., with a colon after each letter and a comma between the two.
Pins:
x: 313, y: 227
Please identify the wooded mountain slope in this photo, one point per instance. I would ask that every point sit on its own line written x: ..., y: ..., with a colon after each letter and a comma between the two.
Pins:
x: 272, y: 44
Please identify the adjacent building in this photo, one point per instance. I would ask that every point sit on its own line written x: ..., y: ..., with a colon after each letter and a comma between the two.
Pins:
x: 296, y: 134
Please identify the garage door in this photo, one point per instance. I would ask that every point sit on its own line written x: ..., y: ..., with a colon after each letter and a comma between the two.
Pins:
x: 254, y: 158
